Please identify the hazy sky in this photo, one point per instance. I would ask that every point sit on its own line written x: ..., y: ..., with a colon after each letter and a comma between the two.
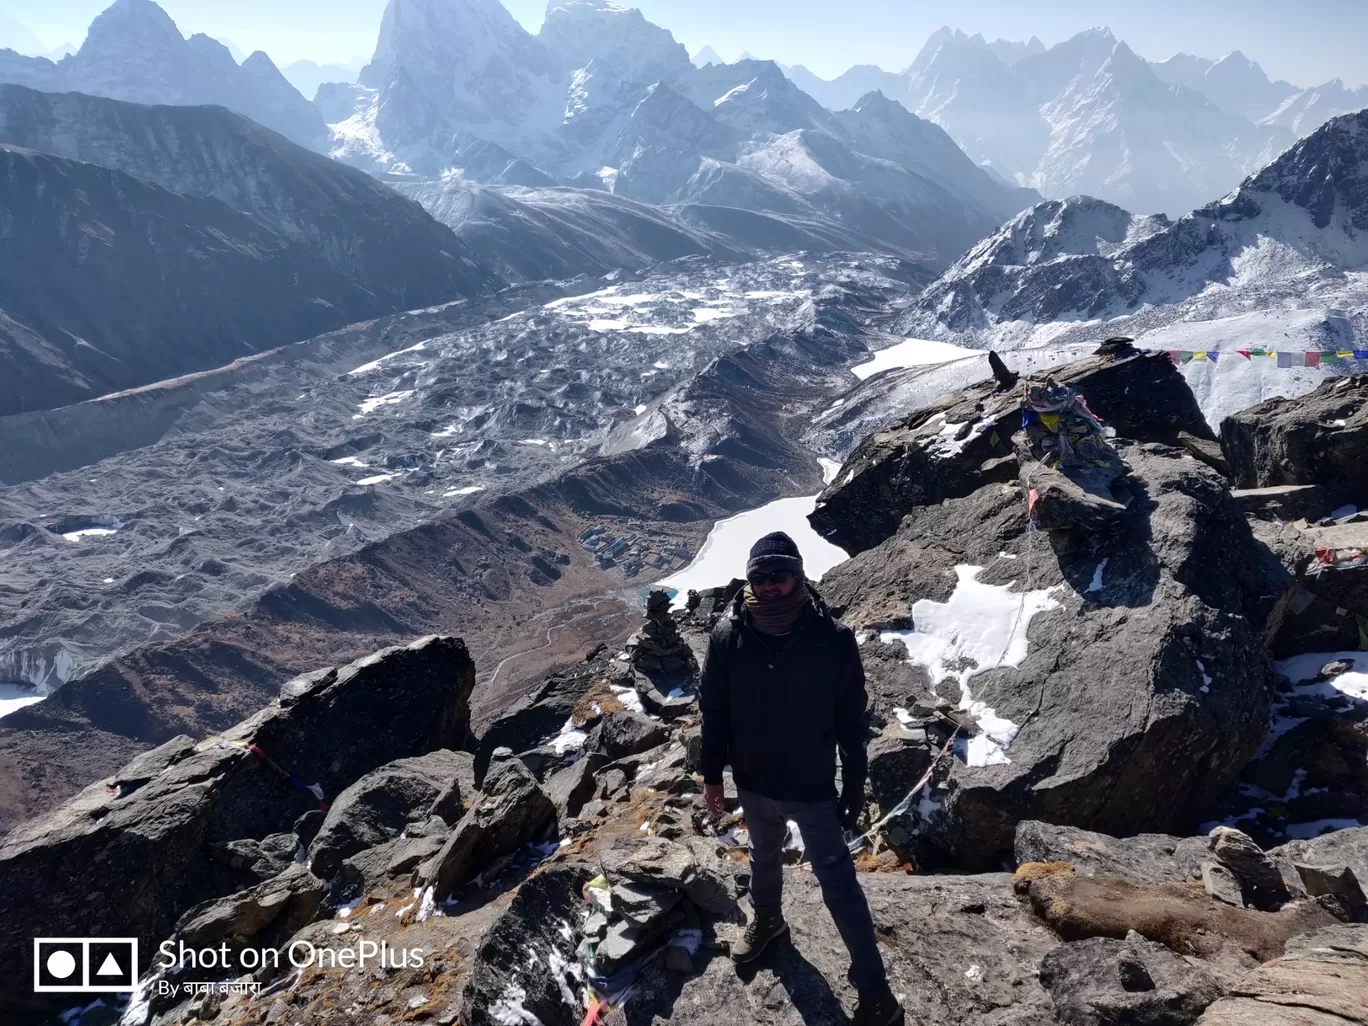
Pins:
x: 1307, y: 42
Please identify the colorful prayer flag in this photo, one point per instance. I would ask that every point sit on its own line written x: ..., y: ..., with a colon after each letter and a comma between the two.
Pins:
x: 1284, y: 359
x: 1258, y: 352
x: 1199, y: 355
x: 1312, y: 359
x: 1185, y: 355
x: 1361, y: 354
x: 1175, y: 356
x: 1213, y: 354
x: 1344, y: 354
x: 1243, y: 352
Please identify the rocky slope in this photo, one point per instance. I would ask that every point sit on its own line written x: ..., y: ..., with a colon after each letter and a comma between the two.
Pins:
x: 134, y: 52
x: 193, y: 236
x: 1284, y: 253
x: 563, y: 841
x: 680, y: 382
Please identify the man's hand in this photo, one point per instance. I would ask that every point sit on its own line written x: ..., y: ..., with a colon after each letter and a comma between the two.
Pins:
x: 850, y: 806
x: 716, y: 799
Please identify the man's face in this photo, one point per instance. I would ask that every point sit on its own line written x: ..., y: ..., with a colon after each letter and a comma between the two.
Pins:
x: 770, y: 586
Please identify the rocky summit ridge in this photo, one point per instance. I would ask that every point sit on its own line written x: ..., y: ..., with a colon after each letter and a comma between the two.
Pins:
x: 1095, y: 796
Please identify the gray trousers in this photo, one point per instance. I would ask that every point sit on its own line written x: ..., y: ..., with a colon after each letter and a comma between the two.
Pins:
x: 825, y: 846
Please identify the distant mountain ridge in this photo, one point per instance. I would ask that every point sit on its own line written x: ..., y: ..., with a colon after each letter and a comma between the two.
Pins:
x: 1089, y: 116
x: 134, y: 52
x: 146, y: 242
x: 1284, y: 254
x: 603, y: 99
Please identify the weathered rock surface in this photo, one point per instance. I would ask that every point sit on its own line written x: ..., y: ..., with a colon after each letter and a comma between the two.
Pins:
x: 1144, y: 687
x: 1322, y: 980
x: 511, y: 811
x: 544, y: 712
x: 1325, y: 602
x: 1103, y: 981
x: 958, y: 949
x: 450, y: 805
x: 522, y: 966
x: 1261, y: 884
x: 946, y: 449
x: 121, y: 863
x: 1144, y: 858
x: 1317, y: 439
x: 625, y: 733
x: 261, y: 859
x: 1340, y: 848
x: 569, y: 788
x: 377, y: 807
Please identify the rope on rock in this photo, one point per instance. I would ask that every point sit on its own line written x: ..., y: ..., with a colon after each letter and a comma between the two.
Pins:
x: 314, y: 789
x: 855, y: 844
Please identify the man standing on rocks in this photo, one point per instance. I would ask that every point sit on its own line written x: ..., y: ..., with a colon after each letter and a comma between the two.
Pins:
x: 782, y: 691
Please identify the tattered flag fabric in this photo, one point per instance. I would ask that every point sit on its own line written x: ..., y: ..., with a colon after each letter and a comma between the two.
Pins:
x: 1312, y: 359
x: 1284, y: 359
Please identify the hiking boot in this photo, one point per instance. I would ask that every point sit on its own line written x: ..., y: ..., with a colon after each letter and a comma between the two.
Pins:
x: 878, y: 1010
x: 767, y: 925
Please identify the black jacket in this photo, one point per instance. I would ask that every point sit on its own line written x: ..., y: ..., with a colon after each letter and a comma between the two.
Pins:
x: 778, y: 709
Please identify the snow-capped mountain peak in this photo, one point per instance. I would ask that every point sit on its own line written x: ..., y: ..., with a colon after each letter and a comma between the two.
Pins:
x: 707, y: 56
x: 1283, y: 258
x: 618, y: 37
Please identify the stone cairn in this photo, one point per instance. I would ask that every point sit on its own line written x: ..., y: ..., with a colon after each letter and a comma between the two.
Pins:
x: 658, y: 647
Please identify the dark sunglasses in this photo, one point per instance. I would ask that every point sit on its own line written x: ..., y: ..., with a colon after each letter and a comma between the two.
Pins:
x: 780, y: 577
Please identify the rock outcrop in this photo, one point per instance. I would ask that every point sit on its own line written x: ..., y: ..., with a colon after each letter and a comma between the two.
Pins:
x: 1103, y: 981
x: 1322, y: 980
x: 128, y: 855
x: 1317, y: 439
x: 512, y: 811
x: 377, y: 807
x: 956, y: 444
x: 1111, y: 680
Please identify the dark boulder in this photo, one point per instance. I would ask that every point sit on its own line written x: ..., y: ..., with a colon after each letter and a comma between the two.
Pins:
x: 459, y: 791
x: 542, y: 714
x: 1316, y: 439
x: 525, y: 964
x: 951, y: 447
x: 1340, y: 848
x: 512, y: 811
x: 378, y: 806
x: 895, y: 766
x: 1145, y: 858
x: 258, y: 860
x: 623, y: 733
x: 569, y: 788
x: 1103, y: 981
x: 128, y: 864
x: 263, y: 917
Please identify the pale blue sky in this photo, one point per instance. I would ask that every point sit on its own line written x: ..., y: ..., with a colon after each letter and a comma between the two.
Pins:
x: 1307, y: 42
